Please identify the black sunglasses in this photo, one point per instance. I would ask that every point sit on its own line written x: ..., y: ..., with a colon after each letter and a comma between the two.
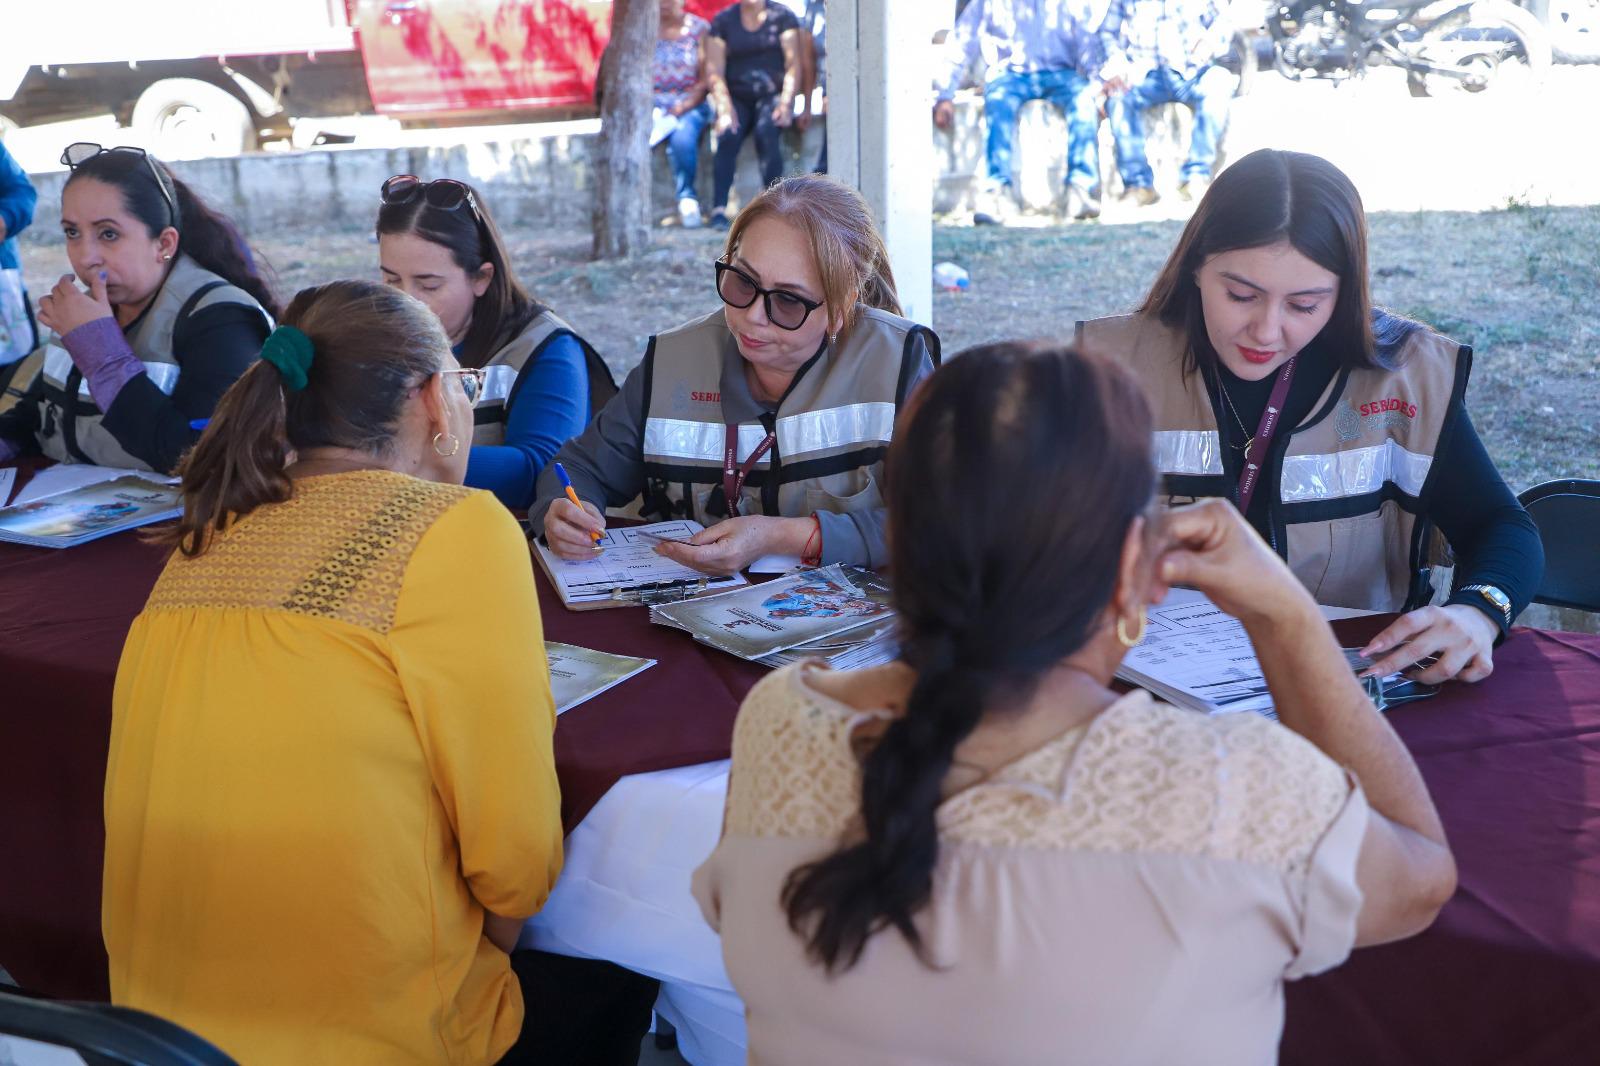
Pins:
x: 447, y: 194
x: 785, y: 309
x: 78, y: 153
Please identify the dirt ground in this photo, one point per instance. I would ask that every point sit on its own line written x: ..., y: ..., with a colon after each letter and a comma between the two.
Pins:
x: 1518, y: 284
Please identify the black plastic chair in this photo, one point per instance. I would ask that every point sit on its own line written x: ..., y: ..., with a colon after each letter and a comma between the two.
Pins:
x: 1568, y: 515
x: 104, y: 1035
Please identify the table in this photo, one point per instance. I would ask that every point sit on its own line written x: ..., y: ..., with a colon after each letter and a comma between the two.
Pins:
x: 1510, y: 973
x: 63, y: 618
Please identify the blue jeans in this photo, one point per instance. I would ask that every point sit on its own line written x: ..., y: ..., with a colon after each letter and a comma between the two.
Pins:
x: 683, y: 148
x: 1207, y: 94
x: 1004, y: 96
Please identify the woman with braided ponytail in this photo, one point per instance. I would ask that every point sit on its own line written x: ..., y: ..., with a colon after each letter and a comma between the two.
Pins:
x: 985, y: 854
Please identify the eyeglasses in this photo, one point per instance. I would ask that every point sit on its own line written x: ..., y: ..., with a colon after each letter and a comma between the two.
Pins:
x: 784, y: 309
x: 75, y: 155
x: 472, y: 379
x: 447, y: 194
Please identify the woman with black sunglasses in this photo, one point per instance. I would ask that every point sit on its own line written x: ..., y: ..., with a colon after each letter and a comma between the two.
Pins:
x: 176, y: 311
x: 438, y: 242
x: 767, y: 420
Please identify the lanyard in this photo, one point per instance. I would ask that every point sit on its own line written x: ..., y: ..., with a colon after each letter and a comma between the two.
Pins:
x: 735, y: 473
x: 1256, y: 453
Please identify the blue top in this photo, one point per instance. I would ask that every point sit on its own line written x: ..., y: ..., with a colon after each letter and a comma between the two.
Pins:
x: 17, y: 197
x: 550, y: 408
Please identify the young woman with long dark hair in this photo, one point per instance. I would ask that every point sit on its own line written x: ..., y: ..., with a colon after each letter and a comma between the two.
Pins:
x: 983, y: 853
x: 176, y: 310
x: 1338, y: 428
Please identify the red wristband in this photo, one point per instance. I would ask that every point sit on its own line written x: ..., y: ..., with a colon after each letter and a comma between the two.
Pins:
x: 806, y: 556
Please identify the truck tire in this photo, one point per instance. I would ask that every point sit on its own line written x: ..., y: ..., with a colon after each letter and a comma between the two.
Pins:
x: 185, y: 118
x: 1574, y: 27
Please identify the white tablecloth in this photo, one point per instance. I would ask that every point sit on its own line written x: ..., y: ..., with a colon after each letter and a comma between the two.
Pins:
x: 624, y: 896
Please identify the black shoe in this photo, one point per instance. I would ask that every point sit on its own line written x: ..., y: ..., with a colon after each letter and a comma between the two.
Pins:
x: 719, y: 219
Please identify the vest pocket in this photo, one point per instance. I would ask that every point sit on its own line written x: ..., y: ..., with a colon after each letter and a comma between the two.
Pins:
x: 1367, y: 561
x: 846, y: 493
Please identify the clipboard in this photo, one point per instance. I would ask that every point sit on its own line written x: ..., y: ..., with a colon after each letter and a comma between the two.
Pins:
x: 632, y: 575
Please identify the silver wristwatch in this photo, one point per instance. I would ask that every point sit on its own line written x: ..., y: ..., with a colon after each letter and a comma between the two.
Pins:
x: 1494, y: 597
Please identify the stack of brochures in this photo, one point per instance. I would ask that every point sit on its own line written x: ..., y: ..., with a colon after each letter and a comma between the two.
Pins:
x: 840, y: 615
x: 578, y: 674
x: 626, y: 570
x: 1198, y: 656
x: 88, y: 512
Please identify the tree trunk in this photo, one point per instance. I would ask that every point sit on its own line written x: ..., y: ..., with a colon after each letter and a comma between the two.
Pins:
x: 622, y: 166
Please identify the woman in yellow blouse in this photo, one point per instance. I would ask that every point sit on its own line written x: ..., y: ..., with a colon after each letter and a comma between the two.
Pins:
x: 331, y: 798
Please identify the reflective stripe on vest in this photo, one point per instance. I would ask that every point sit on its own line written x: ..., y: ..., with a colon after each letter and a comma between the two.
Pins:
x: 58, y: 367
x: 676, y: 440
x: 506, y: 367
x: 1188, y: 451
x: 1355, y: 472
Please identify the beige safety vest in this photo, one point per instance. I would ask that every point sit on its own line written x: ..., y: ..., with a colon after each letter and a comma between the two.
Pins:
x: 833, y: 428
x: 1349, y: 506
x: 70, y: 429
x: 507, y: 367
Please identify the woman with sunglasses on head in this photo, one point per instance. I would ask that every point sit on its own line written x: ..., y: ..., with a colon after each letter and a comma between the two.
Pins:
x: 1338, y: 428
x: 438, y: 243
x: 313, y: 748
x: 176, y: 310
x: 767, y: 420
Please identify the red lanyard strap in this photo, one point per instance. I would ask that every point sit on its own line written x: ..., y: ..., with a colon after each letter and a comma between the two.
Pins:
x: 734, y: 473
x: 1256, y: 453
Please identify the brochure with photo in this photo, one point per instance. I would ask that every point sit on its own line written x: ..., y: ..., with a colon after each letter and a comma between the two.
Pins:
x: 77, y: 516
x: 782, y: 614
x: 578, y: 674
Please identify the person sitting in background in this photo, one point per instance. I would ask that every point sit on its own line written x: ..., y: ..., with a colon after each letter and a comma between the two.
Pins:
x: 753, y: 65
x: 438, y: 242
x: 17, y: 200
x: 813, y: 16
x: 1367, y: 446
x: 987, y: 830
x: 1030, y: 50
x: 176, y: 311
x: 1156, y: 52
x: 680, y: 96
x: 766, y: 421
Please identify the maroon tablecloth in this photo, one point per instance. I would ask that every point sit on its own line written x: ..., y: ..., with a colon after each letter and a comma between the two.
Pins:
x: 1509, y: 974
x: 63, y: 618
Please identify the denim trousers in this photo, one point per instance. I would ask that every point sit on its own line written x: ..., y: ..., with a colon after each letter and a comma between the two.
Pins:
x: 1207, y: 94
x: 1004, y: 96
x: 683, y: 147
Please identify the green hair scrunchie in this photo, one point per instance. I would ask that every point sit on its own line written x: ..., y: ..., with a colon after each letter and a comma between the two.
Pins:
x: 291, y: 352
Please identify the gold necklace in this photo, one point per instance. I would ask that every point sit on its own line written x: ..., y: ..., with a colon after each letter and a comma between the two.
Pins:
x: 1249, y: 438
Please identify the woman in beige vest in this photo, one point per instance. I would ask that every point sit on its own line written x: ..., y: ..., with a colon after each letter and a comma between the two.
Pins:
x: 983, y: 853
x: 438, y: 242
x: 1339, y: 429
x: 175, y: 312
x: 767, y: 420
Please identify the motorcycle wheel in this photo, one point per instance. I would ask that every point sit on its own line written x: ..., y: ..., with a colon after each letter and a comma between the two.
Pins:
x: 1499, y: 20
x: 1574, y: 27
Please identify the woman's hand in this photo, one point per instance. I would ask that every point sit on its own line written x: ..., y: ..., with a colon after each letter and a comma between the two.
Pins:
x: 783, y: 113
x: 1460, y: 638
x: 1212, y: 548
x: 727, y: 122
x: 567, y: 528
x: 732, y: 545
x: 66, y: 307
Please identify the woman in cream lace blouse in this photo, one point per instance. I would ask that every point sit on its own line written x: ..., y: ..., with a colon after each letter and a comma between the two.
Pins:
x: 983, y: 853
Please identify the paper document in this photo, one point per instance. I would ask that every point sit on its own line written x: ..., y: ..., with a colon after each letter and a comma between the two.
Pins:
x: 774, y: 564
x: 64, y: 477
x: 8, y: 477
x: 1196, y: 655
x: 662, y: 125
x: 779, y: 615
x: 628, y: 562
x: 67, y: 519
x: 578, y: 674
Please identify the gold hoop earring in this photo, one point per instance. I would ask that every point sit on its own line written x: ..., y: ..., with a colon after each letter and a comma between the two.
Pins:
x: 1122, y: 631
x: 455, y: 445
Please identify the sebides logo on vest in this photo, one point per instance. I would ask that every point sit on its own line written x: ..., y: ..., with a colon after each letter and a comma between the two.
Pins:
x: 1351, y: 421
x: 683, y: 396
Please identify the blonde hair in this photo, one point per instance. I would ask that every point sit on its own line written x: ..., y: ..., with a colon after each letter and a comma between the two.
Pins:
x: 845, y: 244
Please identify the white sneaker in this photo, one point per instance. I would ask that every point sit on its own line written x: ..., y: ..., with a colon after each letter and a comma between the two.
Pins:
x: 689, y: 212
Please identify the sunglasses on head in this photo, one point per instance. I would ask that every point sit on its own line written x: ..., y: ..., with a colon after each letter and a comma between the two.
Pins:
x: 75, y: 155
x: 785, y: 309
x: 447, y: 194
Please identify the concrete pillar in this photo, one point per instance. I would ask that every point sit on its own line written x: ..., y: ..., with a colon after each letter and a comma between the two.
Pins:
x: 879, y: 128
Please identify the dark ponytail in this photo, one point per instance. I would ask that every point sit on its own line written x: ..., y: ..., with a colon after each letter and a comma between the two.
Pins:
x: 204, y: 235
x: 372, y: 344
x: 996, y: 587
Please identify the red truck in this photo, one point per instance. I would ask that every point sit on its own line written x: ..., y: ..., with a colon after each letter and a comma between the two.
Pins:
x: 216, y: 77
